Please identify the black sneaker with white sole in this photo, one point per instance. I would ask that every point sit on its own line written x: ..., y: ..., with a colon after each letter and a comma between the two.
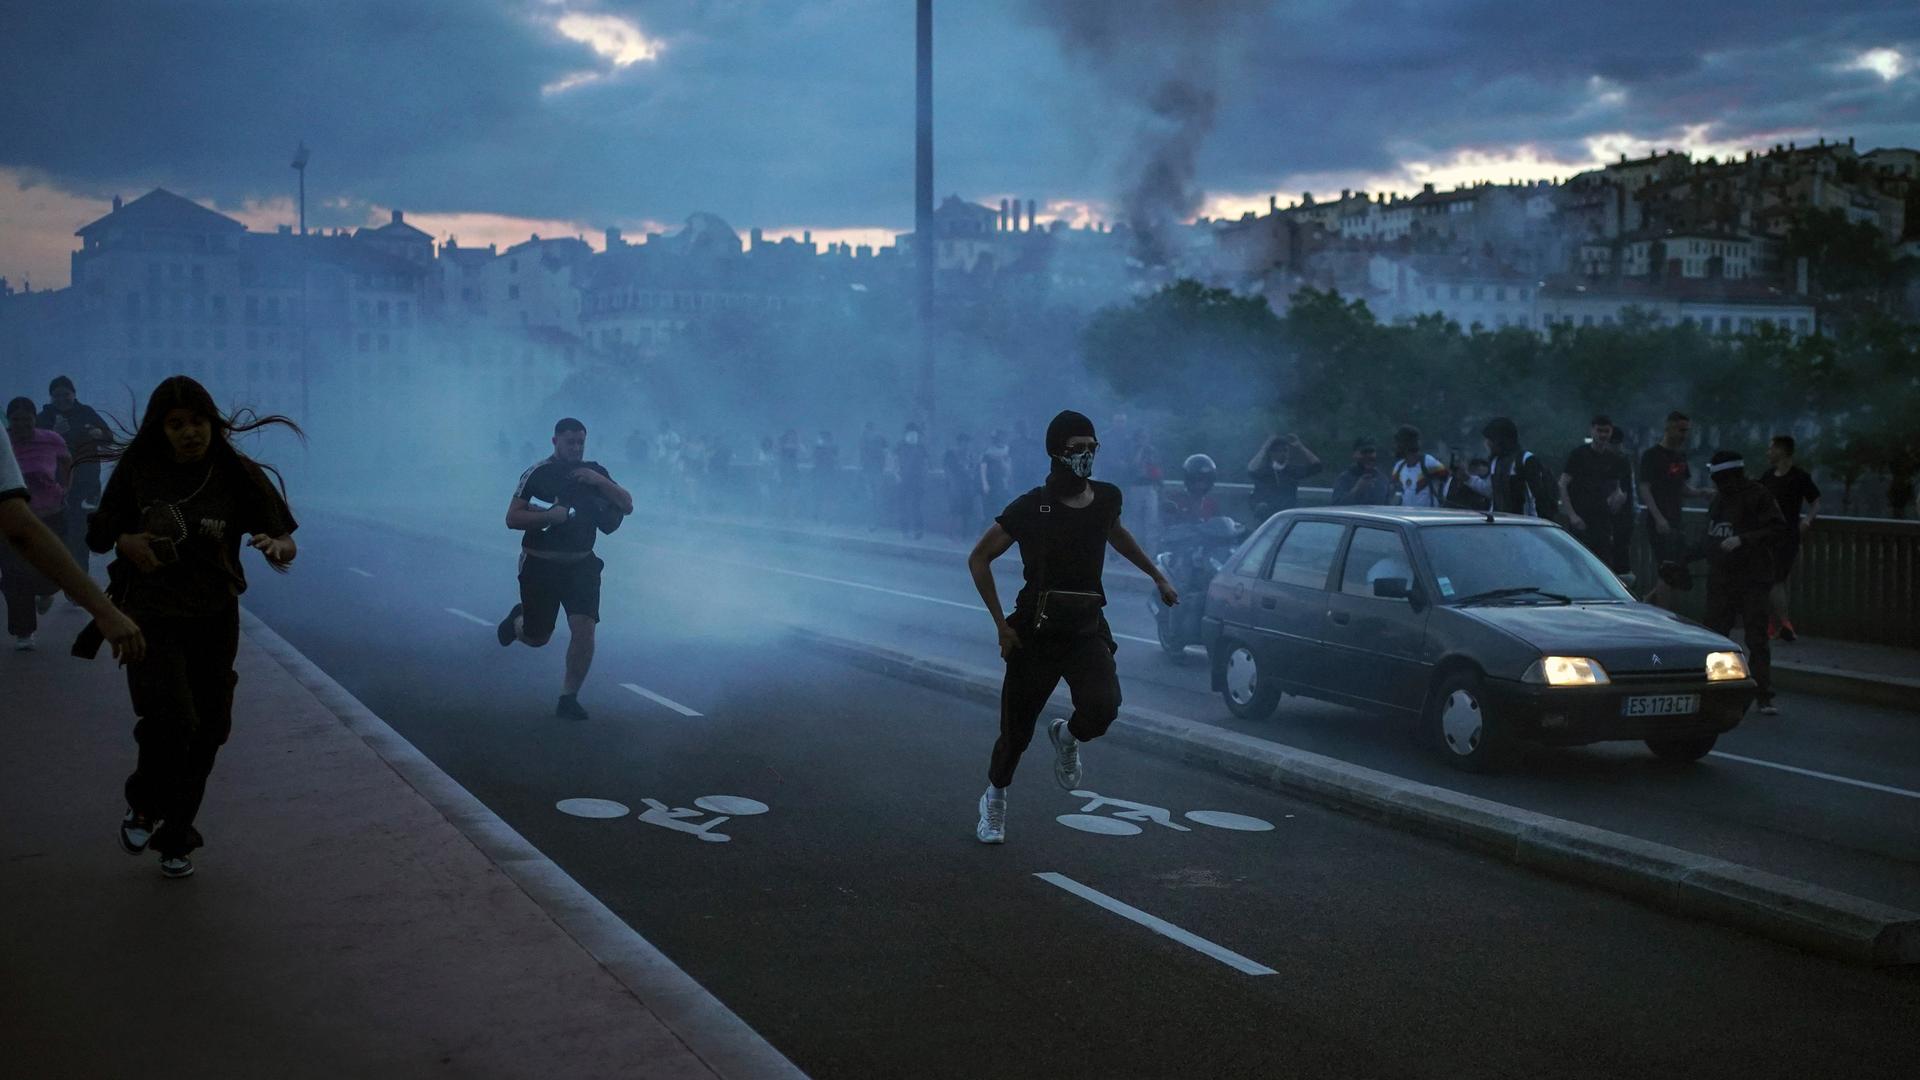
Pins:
x: 507, y: 631
x: 176, y: 866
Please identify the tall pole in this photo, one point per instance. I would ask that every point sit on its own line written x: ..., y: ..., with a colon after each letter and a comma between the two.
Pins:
x: 300, y: 166
x: 923, y: 238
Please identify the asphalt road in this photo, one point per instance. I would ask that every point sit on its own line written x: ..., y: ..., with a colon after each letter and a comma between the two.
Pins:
x: 858, y: 926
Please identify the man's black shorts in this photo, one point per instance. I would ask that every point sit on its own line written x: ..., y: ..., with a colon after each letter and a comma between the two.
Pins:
x: 547, y: 585
x: 1669, y: 548
x: 1784, y: 557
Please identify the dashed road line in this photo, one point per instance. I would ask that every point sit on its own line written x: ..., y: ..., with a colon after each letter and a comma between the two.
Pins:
x: 1868, y: 784
x: 659, y: 699
x: 1158, y: 925
x: 469, y: 616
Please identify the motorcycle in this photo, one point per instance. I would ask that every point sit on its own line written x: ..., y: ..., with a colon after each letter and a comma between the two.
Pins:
x: 1195, y: 553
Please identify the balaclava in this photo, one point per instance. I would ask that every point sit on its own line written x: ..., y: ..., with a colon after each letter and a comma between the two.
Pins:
x: 1068, y: 476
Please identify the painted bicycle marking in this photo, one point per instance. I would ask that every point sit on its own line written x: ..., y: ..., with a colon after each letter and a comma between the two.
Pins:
x: 1128, y: 816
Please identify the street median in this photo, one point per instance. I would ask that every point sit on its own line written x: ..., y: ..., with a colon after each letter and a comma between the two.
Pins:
x: 1807, y: 916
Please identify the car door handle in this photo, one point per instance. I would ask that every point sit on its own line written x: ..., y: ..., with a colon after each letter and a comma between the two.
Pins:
x: 1340, y: 617
x: 1269, y: 602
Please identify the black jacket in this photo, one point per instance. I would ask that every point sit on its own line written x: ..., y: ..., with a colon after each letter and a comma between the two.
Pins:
x: 1747, y: 511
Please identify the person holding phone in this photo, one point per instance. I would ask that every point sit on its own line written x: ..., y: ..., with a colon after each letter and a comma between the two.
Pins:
x: 175, y: 513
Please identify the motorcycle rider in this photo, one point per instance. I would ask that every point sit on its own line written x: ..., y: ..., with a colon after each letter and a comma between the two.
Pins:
x: 1194, y: 503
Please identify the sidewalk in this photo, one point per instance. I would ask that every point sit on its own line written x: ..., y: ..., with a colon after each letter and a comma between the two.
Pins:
x: 338, y: 923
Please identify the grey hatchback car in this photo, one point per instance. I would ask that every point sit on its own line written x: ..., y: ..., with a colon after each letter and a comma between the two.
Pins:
x: 1494, y: 630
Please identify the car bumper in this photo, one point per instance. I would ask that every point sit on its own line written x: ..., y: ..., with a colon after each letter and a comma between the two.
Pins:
x: 1572, y: 715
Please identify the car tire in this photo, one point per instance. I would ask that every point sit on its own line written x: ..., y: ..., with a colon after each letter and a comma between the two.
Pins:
x: 1169, y: 637
x: 1473, y: 736
x: 1687, y: 749
x: 1247, y: 694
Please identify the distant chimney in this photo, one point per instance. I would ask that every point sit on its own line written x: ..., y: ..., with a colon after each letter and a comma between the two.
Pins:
x: 1273, y: 204
x: 397, y: 219
x: 1005, y: 224
x: 757, y: 236
x: 614, y: 242
x: 116, y: 203
x: 1030, y: 209
x: 807, y: 237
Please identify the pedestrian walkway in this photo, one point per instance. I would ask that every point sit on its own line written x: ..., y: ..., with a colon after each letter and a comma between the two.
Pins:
x: 338, y: 925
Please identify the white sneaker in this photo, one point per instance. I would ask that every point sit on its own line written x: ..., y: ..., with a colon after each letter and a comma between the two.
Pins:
x: 993, y: 818
x: 23, y: 644
x: 1066, y: 748
x: 176, y: 866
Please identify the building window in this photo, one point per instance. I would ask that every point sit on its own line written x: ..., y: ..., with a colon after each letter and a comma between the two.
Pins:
x: 1500, y: 292
x: 384, y: 342
x: 176, y: 272
x: 365, y: 310
x: 1586, y: 320
x: 513, y: 292
x: 363, y: 341
x: 405, y: 311
x: 199, y: 274
x: 1453, y: 292
x: 1432, y: 293
x: 382, y: 311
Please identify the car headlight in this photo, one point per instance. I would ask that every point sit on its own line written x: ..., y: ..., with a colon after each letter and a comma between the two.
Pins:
x: 1726, y: 666
x: 1566, y: 671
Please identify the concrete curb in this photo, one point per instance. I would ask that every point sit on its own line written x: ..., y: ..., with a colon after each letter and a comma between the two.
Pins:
x: 707, y: 1027
x: 1819, y: 920
x: 1885, y: 690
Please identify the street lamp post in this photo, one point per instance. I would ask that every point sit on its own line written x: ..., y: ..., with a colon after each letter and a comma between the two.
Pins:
x: 300, y: 166
x: 923, y: 239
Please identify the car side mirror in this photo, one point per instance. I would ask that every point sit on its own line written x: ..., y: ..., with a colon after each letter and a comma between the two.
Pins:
x: 1393, y: 588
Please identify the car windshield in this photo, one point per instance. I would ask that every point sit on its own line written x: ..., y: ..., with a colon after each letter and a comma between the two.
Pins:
x: 1520, y: 564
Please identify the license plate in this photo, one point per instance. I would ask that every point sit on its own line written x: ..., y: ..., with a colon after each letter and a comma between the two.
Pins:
x: 1661, y: 705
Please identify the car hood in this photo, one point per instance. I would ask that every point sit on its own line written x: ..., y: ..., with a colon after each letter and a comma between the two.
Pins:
x: 1623, y: 637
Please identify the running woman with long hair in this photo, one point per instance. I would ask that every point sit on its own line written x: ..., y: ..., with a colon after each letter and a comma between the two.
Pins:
x: 174, y: 512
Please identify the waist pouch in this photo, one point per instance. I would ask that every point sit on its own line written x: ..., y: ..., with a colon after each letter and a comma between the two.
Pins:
x: 1061, y: 612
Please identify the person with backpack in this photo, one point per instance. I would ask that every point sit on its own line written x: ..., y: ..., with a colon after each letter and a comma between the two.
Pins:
x: 1517, y: 481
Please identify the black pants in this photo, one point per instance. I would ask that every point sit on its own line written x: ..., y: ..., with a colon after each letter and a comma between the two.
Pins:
x: 1597, y: 537
x: 23, y: 585
x: 183, y: 694
x: 913, y: 511
x: 75, y: 534
x: 1746, y: 602
x: 1085, y: 660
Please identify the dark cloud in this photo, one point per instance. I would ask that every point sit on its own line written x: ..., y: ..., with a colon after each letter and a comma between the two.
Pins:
x: 788, y: 112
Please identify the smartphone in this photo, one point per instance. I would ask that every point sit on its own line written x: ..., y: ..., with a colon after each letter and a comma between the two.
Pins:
x: 164, y: 549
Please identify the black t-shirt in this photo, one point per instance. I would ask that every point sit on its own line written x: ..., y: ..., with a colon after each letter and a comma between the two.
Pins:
x: 551, y: 481
x: 207, y: 509
x: 1277, y: 488
x: 73, y: 425
x: 1061, y: 547
x: 1791, y: 493
x: 1665, y: 473
x: 1595, y: 474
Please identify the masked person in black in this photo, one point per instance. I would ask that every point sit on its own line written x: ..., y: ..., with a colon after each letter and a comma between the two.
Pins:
x: 1516, y: 481
x: 1056, y: 630
x: 557, y: 565
x: 1744, y: 530
x: 174, y: 512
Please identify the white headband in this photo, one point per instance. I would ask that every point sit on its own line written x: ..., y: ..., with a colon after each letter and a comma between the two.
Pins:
x: 1736, y: 463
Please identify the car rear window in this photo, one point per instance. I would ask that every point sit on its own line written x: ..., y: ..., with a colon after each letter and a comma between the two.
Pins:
x: 1307, y: 554
x: 1254, y: 558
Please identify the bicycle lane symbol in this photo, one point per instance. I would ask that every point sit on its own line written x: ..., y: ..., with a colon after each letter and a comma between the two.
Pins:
x: 1128, y: 816
x: 682, y: 819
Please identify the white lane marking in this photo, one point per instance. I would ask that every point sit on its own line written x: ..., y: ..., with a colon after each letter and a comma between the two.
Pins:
x: 1158, y: 925
x: 883, y: 589
x: 357, y: 570
x: 658, y: 700
x: 1221, y: 819
x: 469, y: 616
x: 733, y: 805
x: 1868, y: 784
x: 1100, y: 826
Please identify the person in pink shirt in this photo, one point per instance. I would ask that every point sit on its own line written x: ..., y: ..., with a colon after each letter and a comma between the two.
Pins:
x: 45, y: 465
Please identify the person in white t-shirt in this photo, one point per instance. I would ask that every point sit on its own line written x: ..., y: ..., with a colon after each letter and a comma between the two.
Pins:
x: 1417, y: 478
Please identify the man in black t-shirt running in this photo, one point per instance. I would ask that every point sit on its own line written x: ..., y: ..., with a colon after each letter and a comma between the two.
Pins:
x: 557, y: 565
x: 1798, y: 498
x: 1056, y: 630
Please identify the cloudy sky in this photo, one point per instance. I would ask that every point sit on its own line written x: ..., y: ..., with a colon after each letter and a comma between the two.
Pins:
x: 490, y: 119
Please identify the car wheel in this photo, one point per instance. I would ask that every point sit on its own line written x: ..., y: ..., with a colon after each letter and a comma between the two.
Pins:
x: 1170, y: 642
x: 1247, y: 693
x: 1692, y: 749
x: 1469, y: 733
